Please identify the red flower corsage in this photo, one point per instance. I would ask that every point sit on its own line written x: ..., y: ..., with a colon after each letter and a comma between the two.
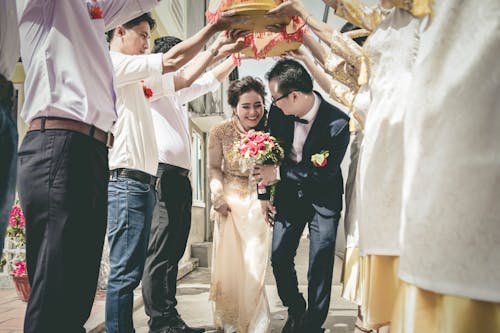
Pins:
x: 148, y: 92
x: 95, y: 10
x: 319, y: 160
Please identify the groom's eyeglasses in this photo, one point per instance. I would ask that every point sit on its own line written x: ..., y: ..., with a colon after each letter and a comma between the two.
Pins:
x: 275, y: 100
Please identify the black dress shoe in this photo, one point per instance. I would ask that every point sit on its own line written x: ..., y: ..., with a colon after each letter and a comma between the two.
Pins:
x: 177, y: 325
x: 294, y: 322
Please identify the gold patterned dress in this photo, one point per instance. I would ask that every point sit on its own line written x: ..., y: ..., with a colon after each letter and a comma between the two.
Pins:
x: 241, y: 240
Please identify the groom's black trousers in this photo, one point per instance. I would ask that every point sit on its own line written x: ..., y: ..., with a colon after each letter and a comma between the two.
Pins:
x: 286, y: 238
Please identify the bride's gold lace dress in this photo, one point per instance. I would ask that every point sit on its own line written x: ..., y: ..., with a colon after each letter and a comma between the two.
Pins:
x: 241, y: 240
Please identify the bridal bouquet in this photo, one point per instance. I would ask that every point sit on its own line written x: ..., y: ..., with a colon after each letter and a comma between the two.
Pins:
x: 258, y: 147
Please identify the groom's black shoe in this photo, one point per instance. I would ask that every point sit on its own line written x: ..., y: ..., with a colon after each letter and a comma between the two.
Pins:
x: 175, y: 324
x: 294, y: 322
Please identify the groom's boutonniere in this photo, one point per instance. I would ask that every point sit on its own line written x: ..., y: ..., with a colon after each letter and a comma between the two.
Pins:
x: 148, y: 92
x: 95, y: 10
x: 320, y: 159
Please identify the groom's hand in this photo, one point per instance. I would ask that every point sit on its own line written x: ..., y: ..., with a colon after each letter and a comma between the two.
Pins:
x: 266, y: 174
x: 268, y: 211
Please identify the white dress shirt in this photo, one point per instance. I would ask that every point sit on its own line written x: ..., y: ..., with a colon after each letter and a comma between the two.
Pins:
x: 66, y: 59
x: 9, y: 38
x: 302, y: 130
x: 171, y: 121
x: 135, y: 143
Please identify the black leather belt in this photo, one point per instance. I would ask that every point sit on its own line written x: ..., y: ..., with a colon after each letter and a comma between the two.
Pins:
x: 135, y: 175
x: 173, y: 169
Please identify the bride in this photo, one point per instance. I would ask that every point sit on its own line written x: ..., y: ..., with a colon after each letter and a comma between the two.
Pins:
x: 241, y: 235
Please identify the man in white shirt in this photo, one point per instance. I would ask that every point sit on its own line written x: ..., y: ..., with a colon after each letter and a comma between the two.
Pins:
x: 172, y: 219
x: 63, y: 160
x: 133, y: 160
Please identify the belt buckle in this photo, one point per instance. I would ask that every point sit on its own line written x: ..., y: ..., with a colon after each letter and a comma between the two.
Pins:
x: 110, y: 139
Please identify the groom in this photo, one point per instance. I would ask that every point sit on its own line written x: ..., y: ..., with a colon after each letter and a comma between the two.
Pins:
x: 314, y: 135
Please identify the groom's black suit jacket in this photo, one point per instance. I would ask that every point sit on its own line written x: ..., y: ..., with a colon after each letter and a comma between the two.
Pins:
x: 305, y: 189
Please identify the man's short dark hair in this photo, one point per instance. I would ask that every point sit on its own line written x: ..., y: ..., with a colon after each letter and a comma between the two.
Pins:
x: 290, y: 75
x: 351, y: 27
x: 146, y: 17
x: 164, y: 44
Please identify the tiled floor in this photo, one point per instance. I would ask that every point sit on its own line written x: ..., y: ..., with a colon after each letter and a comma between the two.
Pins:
x: 12, y: 312
x: 194, y: 306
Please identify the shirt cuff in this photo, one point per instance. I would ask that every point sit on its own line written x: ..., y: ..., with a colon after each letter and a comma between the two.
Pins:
x: 167, y: 82
x: 155, y: 62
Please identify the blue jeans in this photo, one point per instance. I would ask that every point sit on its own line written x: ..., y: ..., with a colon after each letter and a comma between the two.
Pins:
x: 130, y: 210
x: 8, y: 168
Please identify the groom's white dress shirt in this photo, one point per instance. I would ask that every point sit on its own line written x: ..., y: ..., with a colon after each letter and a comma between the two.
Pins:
x: 302, y: 130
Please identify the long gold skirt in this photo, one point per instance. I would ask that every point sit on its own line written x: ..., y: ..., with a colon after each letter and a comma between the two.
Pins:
x: 379, y: 289
x: 421, y: 311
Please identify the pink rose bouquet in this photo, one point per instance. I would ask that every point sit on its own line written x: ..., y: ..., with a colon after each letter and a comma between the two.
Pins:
x: 258, y: 147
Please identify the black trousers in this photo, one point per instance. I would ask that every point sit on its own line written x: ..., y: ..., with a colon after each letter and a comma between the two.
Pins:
x: 169, y: 233
x: 286, y: 238
x: 62, y: 183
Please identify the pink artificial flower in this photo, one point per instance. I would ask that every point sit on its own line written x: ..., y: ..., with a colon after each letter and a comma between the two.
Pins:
x: 20, y: 269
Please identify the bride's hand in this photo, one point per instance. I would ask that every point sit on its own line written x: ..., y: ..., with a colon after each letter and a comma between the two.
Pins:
x: 223, y: 210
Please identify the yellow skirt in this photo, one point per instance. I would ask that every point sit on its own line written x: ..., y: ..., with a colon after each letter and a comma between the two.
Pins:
x: 379, y: 289
x: 421, y: 311
x: 351, y: 289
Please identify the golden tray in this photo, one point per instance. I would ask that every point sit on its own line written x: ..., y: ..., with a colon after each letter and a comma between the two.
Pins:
x: 256, y: 10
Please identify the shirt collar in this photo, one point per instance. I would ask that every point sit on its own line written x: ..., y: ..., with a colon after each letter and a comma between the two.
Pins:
x: 311, y: 114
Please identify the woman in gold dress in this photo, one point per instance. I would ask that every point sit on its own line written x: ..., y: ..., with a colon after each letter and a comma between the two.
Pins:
x: 241, y: 236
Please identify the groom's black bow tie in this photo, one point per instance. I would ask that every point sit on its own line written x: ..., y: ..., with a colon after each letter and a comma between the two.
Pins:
x: 300, y: 120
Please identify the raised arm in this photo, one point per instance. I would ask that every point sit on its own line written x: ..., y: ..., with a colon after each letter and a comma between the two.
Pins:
x: 357, y: 13
x: 209, y: 81
x: 339, y: 68
x: 180, y: 54
x: 337, y: 91
x: 340, y: 44
x: 297, y: 8
x: 221, y: 48
x: 116, y: 12
x: 222, y: 71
